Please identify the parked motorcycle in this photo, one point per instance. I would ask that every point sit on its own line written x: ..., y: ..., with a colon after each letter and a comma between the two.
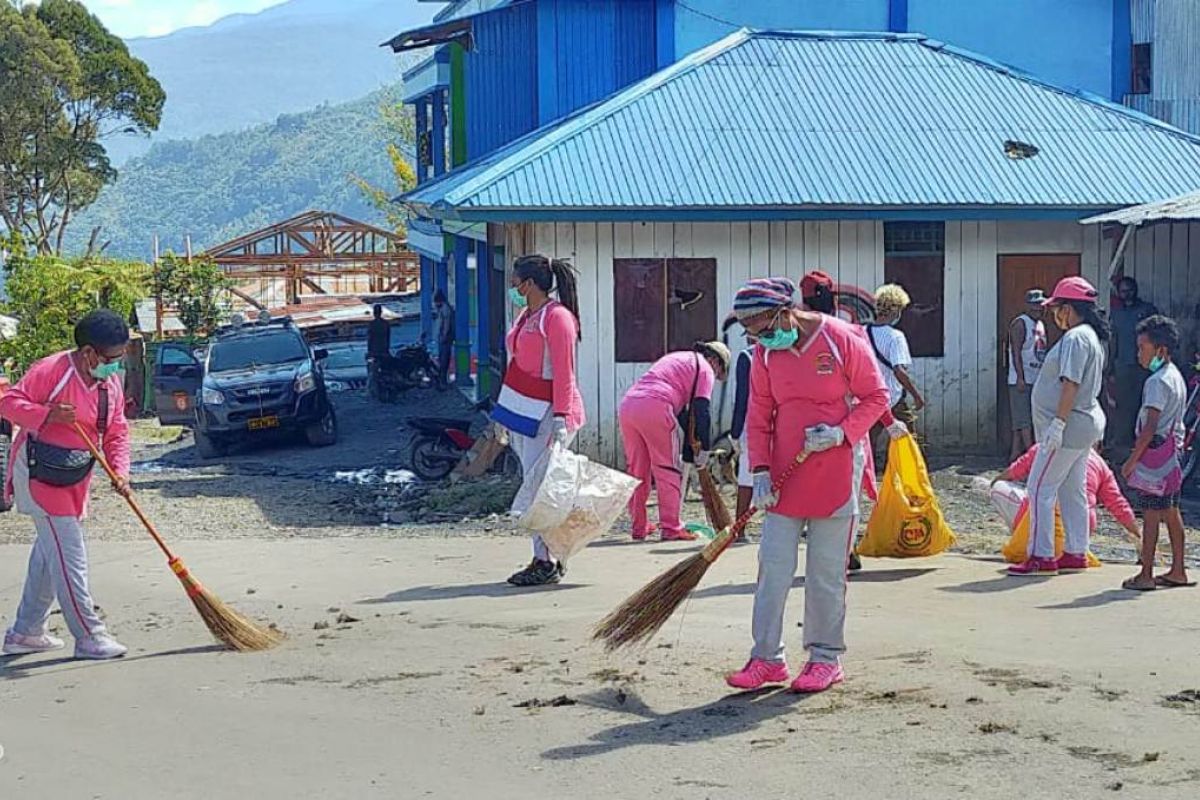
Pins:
x: 410, y: 367
x: 1191, y: 423
x: 441, y: 442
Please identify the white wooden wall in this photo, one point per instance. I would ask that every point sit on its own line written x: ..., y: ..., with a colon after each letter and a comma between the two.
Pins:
x: 961, y: 388
x: 1165, y: 260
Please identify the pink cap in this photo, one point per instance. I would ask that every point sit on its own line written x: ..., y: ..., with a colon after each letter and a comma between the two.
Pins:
x: 1073, y: 288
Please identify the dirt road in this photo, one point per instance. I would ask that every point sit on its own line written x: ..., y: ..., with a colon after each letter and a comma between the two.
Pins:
x: 440, y: 681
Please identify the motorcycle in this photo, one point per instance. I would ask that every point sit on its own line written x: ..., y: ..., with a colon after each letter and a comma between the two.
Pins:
x: 410, y: 367
x: 1191, y: 423
x: 440, y: 444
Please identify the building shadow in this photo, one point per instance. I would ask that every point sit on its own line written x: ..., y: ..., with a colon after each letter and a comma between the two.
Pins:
x: 419, y: 594
x: 19, y: 668
x: 729, y: 716
x: 1003, y: 582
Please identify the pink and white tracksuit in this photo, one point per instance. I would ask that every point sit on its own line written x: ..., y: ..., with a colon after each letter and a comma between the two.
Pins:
x: 831, y: 378
x: 543, y: 343
x: 652, y: 438
x: 58, y: 566
x: 1100, y: 484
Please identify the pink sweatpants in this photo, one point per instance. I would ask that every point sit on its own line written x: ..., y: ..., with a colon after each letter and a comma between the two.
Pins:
x: 653, y: 452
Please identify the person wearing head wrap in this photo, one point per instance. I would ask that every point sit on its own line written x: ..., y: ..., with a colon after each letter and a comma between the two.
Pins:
x: 653, y: 440
x: 815, y: 390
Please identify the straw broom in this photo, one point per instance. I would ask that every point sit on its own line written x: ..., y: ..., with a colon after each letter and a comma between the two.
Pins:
x: 648, y: 609
x: 228, y: 626
x: 714, y: 506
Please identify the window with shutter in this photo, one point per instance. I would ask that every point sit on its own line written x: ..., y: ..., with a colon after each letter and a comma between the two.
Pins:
x: 915, y: 257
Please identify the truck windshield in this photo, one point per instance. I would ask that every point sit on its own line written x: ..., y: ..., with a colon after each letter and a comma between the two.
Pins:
x: 255, y: 351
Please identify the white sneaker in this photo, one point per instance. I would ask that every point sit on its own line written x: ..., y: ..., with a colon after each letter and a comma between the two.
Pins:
x: 99, y: 647
x: 16, y: 644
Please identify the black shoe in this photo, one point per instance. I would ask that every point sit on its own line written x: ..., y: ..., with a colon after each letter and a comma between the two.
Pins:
x: 855, y: 562
x: 538, y: 573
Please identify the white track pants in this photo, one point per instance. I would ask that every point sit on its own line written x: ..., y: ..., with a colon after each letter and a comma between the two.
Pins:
x: 1059, y: 476
x: 529, y: 450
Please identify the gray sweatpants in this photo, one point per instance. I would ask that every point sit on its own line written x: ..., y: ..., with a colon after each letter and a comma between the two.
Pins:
x: 528, y: 451
x: 1059, y: 476
x: 58, y: 568
x: 827, y: 552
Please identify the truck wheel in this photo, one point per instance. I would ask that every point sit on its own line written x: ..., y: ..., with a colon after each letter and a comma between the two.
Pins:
x: 5, y: 448
x: 323, y: 433
x: 208, y: 447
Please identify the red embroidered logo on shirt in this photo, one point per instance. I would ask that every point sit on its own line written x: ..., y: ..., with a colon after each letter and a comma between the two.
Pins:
x: 825, y: 363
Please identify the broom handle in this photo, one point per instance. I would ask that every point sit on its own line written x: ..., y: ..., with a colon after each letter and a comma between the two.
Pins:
x: 719, y: 545
x: 112, y: 475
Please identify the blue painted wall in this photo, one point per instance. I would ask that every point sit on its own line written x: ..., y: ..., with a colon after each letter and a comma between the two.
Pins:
x: 1067, y: 42
x: 501, y: 78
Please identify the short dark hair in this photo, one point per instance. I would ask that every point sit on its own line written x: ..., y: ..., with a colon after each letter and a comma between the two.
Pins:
x: 439, y: 296
x: 1161, y: 330
x: 101, y: 329
x: 1128, y: 281
x: 378, y: 309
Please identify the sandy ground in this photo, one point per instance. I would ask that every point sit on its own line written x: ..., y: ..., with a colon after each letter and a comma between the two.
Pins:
x: 961, y: 683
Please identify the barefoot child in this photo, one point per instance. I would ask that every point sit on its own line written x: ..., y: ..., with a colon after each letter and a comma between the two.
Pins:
x: 1153, y: 470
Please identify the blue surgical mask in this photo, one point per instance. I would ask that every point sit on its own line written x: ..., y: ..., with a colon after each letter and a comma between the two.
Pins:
x: 779, y: 339
x: 517, y: 299
x: 1157, y: 363
x: 104, y: 371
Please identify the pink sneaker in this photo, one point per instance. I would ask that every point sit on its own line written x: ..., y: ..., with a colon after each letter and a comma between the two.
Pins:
x: 1069, y: 562
x: 1034, y: 566
x: 641, y: 537
x: 757, y: 673
x: 817, y: 676
x: 16, y: 644
x: 679, y: 536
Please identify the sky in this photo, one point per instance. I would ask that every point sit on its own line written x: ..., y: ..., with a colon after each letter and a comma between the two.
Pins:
x: 130, y: 18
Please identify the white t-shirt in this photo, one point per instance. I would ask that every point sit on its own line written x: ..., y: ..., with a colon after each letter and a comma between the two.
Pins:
x: 1166, y: 391
x: 892, y: 344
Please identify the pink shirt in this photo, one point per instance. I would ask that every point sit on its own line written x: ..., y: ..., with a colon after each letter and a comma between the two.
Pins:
x: 26, y: 405
x: 671, y: 378
x: 543, y: 343
x: 831, y: 378
x: 1102, y: 486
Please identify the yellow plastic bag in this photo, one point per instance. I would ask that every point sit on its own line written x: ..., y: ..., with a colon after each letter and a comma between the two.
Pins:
x: 907, y: 521
x: 1017, y: 549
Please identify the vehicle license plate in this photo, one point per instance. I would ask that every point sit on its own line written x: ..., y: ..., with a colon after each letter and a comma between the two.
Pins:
x: 262, y: 423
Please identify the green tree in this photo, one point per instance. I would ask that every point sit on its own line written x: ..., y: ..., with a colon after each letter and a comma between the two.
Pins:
x: 66, y: 83
x: 397, y: 121
x: 48, y: 295
x: 194, y: 287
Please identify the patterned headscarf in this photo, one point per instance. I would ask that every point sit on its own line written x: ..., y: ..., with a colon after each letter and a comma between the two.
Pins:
x: 763, y: 294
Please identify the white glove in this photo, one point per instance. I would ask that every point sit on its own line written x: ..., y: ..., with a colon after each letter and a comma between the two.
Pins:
x: 764, y: 496
x: 701, y: 459
x: 1052, y: 437
x: 820, y: 438
x: 558, y: 431
x: 897, y: 430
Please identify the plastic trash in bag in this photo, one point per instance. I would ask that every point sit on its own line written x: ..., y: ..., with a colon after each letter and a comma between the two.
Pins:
x: 1012, y: 501
x: 907, y: 521
x: 570, y: 500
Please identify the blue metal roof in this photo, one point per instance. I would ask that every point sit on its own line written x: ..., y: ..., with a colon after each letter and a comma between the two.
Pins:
x: 776, y: 125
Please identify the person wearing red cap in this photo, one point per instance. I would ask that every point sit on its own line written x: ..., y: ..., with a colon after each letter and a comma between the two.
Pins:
x: 1067, y: 421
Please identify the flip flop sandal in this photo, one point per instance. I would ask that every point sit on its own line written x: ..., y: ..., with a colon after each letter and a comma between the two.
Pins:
x: 1132, y: 585
x: 1166, y: 583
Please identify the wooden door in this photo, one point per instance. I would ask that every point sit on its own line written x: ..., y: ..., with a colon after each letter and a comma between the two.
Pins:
x: 691, y: 302
x: 639, y: 293
x: 1018, y: 274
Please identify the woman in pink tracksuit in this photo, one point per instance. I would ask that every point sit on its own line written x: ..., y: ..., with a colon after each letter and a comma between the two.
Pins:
x: 652, y: 438
x: 542, y: 392
x: 78, y: 386
x: 815, y: 388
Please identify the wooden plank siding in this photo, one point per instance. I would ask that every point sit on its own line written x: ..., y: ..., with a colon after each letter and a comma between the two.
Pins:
x: 961, y: 387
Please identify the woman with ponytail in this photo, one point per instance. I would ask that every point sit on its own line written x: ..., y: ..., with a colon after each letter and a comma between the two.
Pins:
x: 540, y: 403
x: 1068, y: 421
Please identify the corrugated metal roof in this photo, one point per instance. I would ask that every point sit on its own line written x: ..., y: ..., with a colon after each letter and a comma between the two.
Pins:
x: 1184, y: 207
x: 796, y: 123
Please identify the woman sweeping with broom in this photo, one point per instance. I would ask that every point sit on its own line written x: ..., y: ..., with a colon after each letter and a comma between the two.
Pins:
x: 50, y: 473
x: 815, y: 389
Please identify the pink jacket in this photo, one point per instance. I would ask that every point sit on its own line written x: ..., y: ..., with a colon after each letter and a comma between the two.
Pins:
x: 1102, y: 487
x: 26, y: 405
x: 671, y: 378
x: 543, y: 344
x: 832, y: 378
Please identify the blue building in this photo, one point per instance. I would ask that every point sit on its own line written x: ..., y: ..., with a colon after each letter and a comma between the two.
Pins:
x: 888, y: 156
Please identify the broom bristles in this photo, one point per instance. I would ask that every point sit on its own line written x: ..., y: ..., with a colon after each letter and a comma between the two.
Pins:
x: 228, y: 626
x: 714, y: 506
x: 648, y: 609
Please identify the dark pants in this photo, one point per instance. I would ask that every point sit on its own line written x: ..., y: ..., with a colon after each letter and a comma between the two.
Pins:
x: 445, y: 352
x: 903, y: 412
x: 1128, y: 390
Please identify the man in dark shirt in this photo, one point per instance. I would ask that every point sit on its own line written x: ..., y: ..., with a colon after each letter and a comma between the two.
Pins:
x: 444, y: 323
x: 1123, y: 362
x: 379, y: 335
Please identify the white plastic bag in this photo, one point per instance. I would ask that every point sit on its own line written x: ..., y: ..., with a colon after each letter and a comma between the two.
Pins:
x: 576, y: 501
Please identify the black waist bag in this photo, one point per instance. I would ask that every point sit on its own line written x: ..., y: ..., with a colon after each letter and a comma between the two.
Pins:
x: 63, y: 466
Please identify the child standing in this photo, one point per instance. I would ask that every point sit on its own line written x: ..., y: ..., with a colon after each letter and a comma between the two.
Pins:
x: 1153, y: 470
